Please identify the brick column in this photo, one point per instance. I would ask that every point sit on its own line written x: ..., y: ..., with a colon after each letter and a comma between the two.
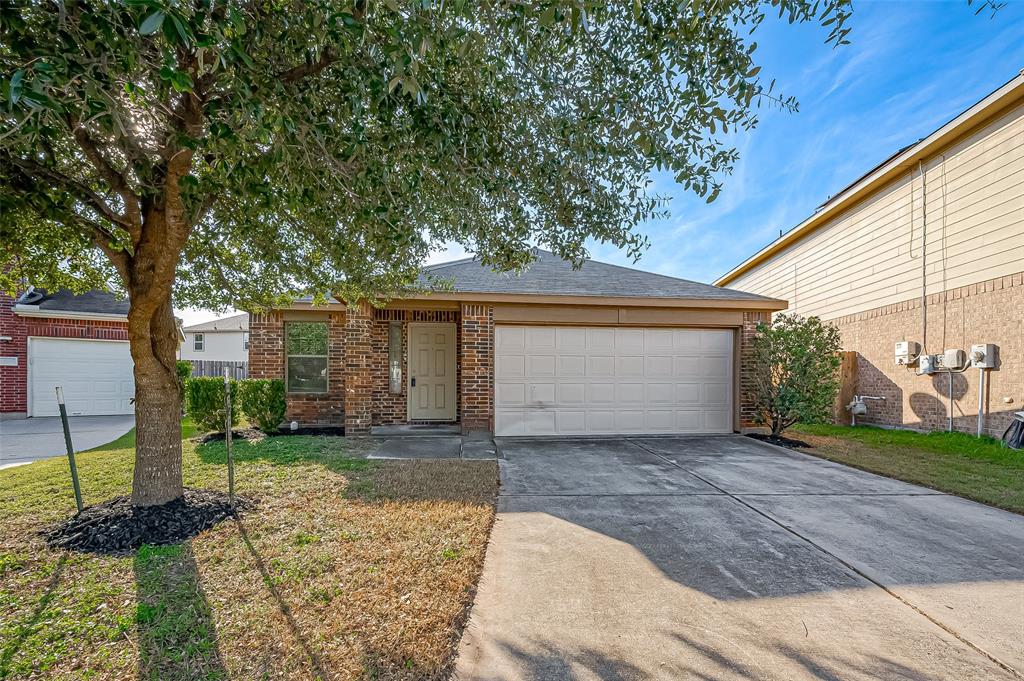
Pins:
x: 13, y: 379
x: 266, y: 345
x: 476, y: 389
x: 746, y: 380
x: 358, y: 369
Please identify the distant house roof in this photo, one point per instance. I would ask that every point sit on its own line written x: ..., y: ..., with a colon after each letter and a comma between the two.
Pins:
x: 238, y: 322
x: 550, y: 275
x: 64, y: 301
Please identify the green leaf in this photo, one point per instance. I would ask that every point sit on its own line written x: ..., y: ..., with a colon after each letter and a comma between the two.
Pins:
x: 152, y: 23
x: 14, y: 89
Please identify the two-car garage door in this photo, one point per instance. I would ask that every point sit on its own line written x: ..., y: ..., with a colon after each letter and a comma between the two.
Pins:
x: 575, y: 380
x: 96, y: 376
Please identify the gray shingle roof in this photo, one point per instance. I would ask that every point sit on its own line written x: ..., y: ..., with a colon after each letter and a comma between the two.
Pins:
x: 550, y: 275
x: 94, y: 302
x: 238, y: 322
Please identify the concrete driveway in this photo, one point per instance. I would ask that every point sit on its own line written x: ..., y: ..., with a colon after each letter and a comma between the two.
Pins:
x: 725, y: 558
x: 26, y: 440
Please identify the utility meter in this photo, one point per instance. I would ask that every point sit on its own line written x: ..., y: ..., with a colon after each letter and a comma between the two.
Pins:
x: 928, y: 364
x: 984, y: 356
x: 906, y: 353
x: 954, y: 359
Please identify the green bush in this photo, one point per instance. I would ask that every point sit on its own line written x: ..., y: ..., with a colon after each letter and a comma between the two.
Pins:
x: 204, y: 402
x: 795, y: 371
x: 262, y: 402
x: 184, y: 370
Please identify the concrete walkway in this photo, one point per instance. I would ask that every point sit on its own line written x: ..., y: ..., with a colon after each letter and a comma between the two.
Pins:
x: 26, y: 440
x: 725, y: 558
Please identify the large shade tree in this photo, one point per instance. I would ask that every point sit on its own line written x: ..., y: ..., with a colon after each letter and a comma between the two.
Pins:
x: 238, y: 153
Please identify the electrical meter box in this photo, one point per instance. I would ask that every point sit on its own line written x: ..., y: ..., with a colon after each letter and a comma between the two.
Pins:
x: 984, y: 356
x: 928, y: 363
x: 951, y: 360
x: 906, y: 353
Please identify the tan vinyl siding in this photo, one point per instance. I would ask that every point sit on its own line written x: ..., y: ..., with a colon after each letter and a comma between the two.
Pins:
x: 870, y: 255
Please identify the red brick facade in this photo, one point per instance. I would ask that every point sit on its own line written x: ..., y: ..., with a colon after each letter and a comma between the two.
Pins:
x: 476, y: 385
x: 14, y: 379
x: 747, y: 410
x: 988, y: 312
x: 359, y: 394
x: 266, y: 360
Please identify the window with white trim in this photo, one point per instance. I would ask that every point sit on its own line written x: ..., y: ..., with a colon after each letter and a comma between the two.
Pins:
x: 199, y: 342
x: 306, y: 357
x: 245, y: 340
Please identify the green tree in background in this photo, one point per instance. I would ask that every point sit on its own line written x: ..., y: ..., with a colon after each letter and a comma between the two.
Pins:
x: 241, y: 153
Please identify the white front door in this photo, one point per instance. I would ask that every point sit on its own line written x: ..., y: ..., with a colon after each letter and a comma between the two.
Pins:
x: 431, y: 372
x: 96, y: 376
x: 576, y: 380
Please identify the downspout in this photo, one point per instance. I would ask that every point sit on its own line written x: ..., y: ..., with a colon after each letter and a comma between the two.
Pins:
x: 924, y: 258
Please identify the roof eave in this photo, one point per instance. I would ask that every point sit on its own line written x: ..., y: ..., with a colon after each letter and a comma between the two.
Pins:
x: 978, y: 115
x: 35, y: 311
x: 762, y: 303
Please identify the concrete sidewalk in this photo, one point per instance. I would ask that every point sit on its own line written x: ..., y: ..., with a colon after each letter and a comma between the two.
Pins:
x: 724, y: 558
x: 26, y: 440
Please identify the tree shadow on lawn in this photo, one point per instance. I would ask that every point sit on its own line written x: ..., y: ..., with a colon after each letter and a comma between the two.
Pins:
x: 26, y: 629
x: 176, y: 634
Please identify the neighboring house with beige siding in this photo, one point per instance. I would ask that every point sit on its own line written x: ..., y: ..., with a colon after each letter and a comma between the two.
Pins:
x: 941, y: 221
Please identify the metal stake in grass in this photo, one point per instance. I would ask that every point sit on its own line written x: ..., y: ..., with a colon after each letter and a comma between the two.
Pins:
x: 71, y: 449
x: 227, y: 438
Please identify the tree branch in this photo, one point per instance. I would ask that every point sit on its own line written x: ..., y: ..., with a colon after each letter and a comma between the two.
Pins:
x: 75, y: 187
x: 297, y: 73
x: 117, y: 181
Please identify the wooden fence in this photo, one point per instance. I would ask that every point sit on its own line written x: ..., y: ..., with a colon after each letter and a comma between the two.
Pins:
x: 215, y: 367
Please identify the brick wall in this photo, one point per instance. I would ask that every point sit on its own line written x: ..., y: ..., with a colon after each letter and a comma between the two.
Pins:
x: 14, y: 380
x: 267, y: 360
x: 392, y: 408
x: 358, y: 369
x: 746, y: 336
x: 987, y: 312
x: 476, y: 386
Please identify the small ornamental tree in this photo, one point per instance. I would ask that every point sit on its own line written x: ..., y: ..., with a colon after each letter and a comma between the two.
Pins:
x: 242, y: 153
x: 796, y: 371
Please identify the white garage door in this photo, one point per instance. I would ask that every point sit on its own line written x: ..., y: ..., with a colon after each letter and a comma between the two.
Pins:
x: 555, y: 380
x: 96, y: 376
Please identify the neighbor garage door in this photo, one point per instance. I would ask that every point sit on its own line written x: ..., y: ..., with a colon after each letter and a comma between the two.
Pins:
x: 96, y: 376
x: 555, y: 380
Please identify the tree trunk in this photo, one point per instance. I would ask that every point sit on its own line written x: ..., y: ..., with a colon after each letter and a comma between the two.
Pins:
x: 153, y: 338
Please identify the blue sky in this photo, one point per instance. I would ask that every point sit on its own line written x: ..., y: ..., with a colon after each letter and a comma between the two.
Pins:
x: 910, y: 67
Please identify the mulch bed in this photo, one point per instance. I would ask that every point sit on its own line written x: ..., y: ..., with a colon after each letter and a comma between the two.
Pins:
x: 116, y: 527
x: 254, y: 434
x: 780, y: 441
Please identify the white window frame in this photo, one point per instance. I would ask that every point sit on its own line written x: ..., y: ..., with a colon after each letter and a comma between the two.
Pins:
x: 245, y: 340
x: 199, y: 342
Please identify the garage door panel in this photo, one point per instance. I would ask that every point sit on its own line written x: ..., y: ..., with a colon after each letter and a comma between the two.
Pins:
x: 606, y: 381
x: 96, y: 377
x: 511, y: 394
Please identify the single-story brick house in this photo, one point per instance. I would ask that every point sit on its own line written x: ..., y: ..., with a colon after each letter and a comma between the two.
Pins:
x: 601, y: 350
x: 79, y: 342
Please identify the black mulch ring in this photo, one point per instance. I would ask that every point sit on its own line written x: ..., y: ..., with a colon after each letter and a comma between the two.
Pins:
x: 116, y: 527
x: 241, y: 434
x: 780, y: 441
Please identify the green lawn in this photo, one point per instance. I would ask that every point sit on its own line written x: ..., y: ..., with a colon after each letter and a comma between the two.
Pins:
x: 127, y: 441
x: 976, y: 468
x: 346, y: 568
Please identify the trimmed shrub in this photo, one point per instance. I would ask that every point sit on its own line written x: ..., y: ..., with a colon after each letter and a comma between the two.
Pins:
x: 795, y: 371
x: 184, y: 369
x: 262, y: 402
x: 204, y: 402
